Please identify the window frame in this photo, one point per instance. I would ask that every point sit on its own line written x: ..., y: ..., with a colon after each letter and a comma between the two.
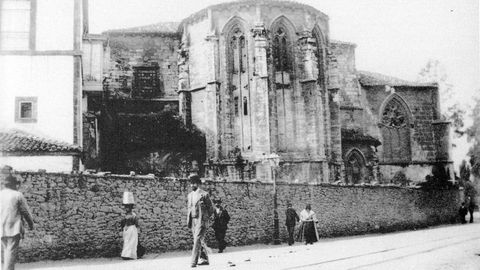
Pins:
x: 18, y: 109
x: 146, y: 82
x: 31, y: 29
x: 396, y: 136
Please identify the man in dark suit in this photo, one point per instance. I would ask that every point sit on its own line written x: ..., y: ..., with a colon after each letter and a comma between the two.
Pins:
x: 291, y: 218
x: 220, y: 222
x: 200, y: 209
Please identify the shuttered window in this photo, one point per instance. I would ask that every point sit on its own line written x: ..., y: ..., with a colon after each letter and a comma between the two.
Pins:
x: 15, y: 24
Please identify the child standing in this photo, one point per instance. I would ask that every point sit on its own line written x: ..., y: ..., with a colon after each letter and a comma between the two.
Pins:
x: 463, y: 213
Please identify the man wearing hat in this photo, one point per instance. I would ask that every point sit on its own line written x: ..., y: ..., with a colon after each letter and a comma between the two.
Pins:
x: 200, y: 209
x: 13, y: 207
x: 220, y: 222
x: 4, y: 172
x: 291, y: 219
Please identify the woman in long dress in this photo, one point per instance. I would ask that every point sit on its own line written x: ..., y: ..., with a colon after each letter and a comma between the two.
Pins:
x: 130, y: 234
x: 308, y: 228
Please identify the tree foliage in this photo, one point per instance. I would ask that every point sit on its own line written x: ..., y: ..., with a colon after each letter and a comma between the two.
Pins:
x: 464, y: 171
x: 473, y: 135
x: 451, y: 110
x: 158, y: 143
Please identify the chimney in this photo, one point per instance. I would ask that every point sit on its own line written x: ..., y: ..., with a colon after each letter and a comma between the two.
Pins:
x: 85, y: 17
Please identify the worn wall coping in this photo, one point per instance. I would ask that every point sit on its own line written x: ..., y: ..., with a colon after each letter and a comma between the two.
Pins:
x: 210, y: 181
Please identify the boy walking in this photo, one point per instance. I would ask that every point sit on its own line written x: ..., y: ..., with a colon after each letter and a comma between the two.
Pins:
x: 220, y: 222
x: 290, y: 221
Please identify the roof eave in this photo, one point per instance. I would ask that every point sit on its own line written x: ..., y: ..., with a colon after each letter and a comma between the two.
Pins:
x: 39, y: 153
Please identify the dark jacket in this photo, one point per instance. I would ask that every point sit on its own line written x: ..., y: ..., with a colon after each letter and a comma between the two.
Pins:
x: 291, y: 217
x: 199, y: 207
x: 221, y: 219
x: 470, y: 192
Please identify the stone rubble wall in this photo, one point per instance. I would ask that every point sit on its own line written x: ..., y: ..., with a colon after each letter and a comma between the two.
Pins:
x: 137, y: 49
x: 79, y: 215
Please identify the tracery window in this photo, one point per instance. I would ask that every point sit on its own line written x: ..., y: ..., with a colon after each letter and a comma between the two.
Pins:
x: 283, y: 67
x: 237, y: 47
x: 394, y: 114
x: 237, y: 62
x: 395, y: 128
x: 281, y: 52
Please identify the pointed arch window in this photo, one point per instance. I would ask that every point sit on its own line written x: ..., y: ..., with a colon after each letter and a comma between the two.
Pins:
x: 320, y: 55
x: 237, y: 51
x: 395, y: 129
x: 281, y: 51
x: 238, y: 84
x: 282, y: 67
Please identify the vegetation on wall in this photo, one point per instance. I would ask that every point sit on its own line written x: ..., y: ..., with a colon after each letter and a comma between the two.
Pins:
x: 451, y: 109
x: 158, y: 143
x: 473, y: 135
x: 438, y: 179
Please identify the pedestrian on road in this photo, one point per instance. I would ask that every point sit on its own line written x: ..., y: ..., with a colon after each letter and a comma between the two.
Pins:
x: 308, y: 225
x: 470, y: 195
x: 14, y: 208
x: 200, y: 209
x: 129, y: 225
x: 220, y: 224
x: 462, y: 212
x: 291, y: 219
x: 5, y: 171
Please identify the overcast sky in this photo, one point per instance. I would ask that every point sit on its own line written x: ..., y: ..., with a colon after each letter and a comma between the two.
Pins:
x: 394, y: 37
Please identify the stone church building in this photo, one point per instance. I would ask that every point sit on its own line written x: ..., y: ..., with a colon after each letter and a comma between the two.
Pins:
x: 263, y: 78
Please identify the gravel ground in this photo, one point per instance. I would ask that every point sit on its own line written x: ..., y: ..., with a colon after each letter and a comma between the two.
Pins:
x: 440, y: 248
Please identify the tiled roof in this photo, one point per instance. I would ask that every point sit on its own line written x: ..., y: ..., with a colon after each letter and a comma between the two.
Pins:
x: 21, y: 142
x: 367, y: 78
x: 161, y: 27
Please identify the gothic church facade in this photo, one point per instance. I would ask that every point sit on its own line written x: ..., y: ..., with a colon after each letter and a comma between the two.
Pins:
x: 263, y: 78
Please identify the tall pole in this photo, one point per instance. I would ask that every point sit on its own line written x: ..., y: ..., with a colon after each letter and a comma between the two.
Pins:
x: 273, y: 161
x: 276, y: 228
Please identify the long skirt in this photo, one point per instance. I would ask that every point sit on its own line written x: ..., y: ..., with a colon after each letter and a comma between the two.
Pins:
x: 308, y: 232
x: 130, y: 242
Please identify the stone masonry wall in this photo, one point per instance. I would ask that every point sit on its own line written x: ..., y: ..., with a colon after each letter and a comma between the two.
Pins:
x: 136, y: 49
x: 347, y: 76
x: 422, y: 107
x: 79, y: 215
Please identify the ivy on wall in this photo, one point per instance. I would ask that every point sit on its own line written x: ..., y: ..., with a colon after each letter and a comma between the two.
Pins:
x: 158, y: 143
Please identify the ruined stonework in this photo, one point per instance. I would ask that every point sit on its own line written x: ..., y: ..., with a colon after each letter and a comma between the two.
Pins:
x: 78, y: 216
x: 143, y: 64
x: 262, y: 78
